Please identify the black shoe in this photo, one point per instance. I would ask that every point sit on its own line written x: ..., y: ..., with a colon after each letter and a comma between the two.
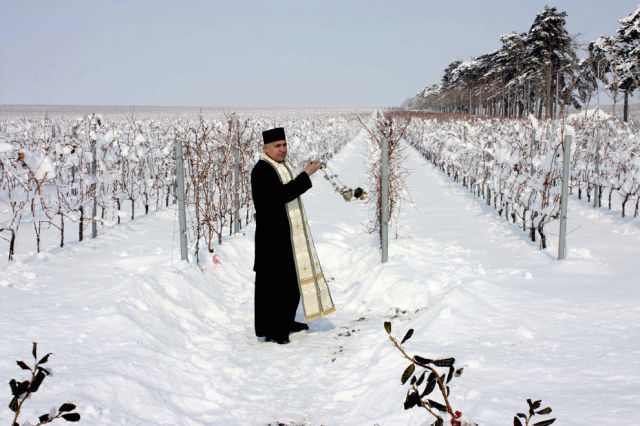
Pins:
x: 298, y: 326
x: 279, y: 340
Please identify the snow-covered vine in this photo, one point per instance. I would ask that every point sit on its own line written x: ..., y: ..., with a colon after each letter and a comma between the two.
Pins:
x: 516, y: 165
x: 47, y: 181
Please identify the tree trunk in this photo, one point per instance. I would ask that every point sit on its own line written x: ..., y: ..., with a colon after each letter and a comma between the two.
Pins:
x: 12, y: 244
x: 543, y: 238
x: 36, y: 229
x: 540, y: 109
x: 624, y: 202
x: 533, y: 228
x: 61, y: 230
x: 610, y: 192
x: 80, y: 229
x: 600, y: 195
x: 549, y: 86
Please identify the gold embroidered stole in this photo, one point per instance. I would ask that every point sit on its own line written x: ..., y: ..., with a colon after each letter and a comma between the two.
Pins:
x: 314, y: 290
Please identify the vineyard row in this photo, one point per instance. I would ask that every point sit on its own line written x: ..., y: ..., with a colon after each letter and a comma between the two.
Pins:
x: 92, y: 170
x: 516, y: 164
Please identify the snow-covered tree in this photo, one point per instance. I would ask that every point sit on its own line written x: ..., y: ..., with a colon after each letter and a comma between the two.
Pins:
x: 550, y: 50
x: 535, y: 67
x: 626, y: 52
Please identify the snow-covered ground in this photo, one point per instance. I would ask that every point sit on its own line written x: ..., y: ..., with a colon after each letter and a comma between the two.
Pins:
x: 141, y: 338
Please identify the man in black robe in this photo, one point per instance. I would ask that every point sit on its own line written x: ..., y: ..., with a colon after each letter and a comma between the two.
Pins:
x: 276, y: 294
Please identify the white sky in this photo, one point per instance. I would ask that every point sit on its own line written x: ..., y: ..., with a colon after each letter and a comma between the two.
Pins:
x: 370, y: 53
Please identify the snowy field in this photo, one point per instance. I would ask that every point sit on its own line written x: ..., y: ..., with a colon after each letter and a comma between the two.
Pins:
x: 119, y: 111
x: 139, y: 337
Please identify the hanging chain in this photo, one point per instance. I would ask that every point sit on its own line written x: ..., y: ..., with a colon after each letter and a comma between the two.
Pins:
x: 340, y: 188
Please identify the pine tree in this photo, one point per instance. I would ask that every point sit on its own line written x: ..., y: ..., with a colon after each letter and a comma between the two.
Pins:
x: 511, y: 62
x: 587, y: 82
x: 550, y: 49
x: 449, y: 78
x: 626, y: 52
x: 601, y: 63
x: 486, y: 79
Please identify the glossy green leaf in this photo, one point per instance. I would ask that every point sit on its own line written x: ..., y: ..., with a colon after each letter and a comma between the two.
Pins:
x: 407, y: 373
x: 544, y: 422
x: 67, y: 407
x: 407, y: 336
x: 23, y: 365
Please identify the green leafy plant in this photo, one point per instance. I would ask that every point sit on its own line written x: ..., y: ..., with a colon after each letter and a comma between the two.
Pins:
x: 417, y: 397
x: 533, y: 410
x: 421, y: 385
x: 23, y: 390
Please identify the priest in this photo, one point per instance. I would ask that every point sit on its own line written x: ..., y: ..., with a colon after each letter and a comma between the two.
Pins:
x: 286, y: 263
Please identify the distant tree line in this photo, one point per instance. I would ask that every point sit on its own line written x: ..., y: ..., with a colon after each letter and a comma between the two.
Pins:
x: 539, y: 72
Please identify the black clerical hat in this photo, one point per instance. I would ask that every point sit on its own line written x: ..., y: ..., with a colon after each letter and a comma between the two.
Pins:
x: 273, y: 135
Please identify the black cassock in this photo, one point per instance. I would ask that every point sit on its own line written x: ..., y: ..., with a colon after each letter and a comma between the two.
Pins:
x: 277, y: 294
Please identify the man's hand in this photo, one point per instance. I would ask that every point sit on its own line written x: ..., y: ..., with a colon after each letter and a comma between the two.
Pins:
x: 312, y: 167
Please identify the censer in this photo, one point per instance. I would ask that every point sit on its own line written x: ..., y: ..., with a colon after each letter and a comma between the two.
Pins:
x: 340, y: 188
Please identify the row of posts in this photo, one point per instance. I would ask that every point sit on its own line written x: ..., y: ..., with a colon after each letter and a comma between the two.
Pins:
x: 179, y: 195
x: 182, y: 216
x: 562, y: 245
x: 384, y: 234
x: 236, y: 183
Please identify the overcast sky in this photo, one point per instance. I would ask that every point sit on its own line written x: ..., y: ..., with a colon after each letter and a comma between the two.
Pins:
x: 300, y: 53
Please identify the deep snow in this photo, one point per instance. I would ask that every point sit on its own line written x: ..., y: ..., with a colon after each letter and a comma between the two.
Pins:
x: 141, y: 338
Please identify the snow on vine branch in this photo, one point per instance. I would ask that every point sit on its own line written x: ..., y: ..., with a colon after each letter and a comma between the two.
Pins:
x: 386, y: 126
x: 516, y: 165
x: 47, y: 181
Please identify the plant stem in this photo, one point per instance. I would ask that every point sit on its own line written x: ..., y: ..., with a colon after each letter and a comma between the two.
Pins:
x: 442, y: 388
x: 33, y: 377
x: 426, y: 407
